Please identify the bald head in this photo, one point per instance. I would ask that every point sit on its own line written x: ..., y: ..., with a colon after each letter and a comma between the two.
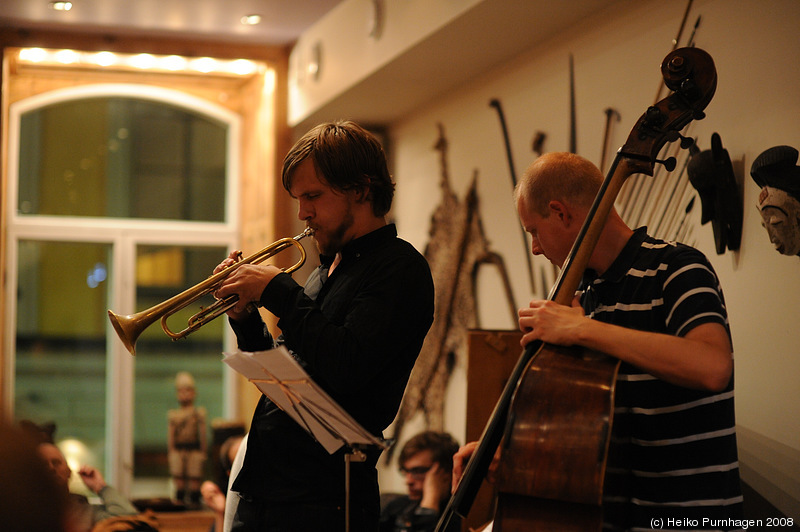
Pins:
x: 560, y: 176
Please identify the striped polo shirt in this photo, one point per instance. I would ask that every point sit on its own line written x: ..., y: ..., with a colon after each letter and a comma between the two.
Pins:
x: 673, y: 453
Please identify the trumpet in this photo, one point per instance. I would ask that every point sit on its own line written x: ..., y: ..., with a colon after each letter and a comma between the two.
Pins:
x: 129, y: 327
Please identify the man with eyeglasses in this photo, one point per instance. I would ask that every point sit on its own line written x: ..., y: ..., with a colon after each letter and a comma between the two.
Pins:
x: 426, y: 461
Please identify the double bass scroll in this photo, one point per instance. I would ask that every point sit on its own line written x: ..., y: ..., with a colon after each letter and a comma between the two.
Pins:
x: 555, y: 441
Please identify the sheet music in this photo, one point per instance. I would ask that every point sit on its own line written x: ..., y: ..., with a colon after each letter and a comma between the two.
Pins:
x: 281, y: 378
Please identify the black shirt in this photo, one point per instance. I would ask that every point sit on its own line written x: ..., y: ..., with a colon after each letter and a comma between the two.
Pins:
x: 404, y: 515
x: 358, y: 339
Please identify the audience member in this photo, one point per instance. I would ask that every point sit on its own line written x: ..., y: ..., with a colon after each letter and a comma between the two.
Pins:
x: 213, y: 495
x: 426, y: 461
x: 81, y: 516
x: 30, y: 499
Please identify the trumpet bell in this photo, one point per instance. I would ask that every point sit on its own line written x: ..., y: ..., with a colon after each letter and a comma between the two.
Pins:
x: 125, y: 327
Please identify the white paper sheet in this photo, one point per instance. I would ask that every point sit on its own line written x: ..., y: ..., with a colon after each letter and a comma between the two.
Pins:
x: 281, y: 378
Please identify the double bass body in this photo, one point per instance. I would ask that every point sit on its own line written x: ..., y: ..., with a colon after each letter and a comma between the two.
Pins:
x: 554, y: 452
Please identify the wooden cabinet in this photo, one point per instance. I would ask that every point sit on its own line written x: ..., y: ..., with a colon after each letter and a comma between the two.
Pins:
x: 491, y: 359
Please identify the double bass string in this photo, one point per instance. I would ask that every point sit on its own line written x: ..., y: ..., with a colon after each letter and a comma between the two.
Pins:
x: 631, y: 190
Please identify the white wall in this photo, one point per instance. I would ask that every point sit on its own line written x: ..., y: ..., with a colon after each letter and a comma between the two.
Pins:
x: 756, y: 48
x: 352, y: 41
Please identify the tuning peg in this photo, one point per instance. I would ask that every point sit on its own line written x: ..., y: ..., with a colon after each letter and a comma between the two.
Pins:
x: 669, y: 163
x: 686, y: 142
x: 653, y: 117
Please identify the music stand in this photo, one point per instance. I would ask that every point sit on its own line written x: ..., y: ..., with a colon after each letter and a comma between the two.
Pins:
x: 281, y: 378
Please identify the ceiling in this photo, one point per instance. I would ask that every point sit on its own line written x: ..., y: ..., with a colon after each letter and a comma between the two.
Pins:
x: 489, y: 33
x: 282, y: 21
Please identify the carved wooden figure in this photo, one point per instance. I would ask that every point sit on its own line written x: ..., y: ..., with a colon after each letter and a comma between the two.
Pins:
x: 186, y: 441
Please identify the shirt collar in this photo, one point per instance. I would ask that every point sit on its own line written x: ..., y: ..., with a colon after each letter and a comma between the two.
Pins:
x: 625, y: 259
x: 359, y: 245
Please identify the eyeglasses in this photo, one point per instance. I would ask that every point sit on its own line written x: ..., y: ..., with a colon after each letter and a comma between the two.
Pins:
x: 417, y: 473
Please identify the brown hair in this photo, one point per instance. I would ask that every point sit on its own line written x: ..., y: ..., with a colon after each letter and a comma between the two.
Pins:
x: 441, y: 444
x: 347, y: 157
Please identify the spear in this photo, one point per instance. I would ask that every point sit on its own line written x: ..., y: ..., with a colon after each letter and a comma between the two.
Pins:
x: 499, y: 108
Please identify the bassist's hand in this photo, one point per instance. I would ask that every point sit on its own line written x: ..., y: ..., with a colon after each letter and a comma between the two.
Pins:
x: 551, y: 323
x: 461, y: 458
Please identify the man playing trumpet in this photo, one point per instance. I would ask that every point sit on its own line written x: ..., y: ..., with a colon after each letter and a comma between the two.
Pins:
x: 357, y: 327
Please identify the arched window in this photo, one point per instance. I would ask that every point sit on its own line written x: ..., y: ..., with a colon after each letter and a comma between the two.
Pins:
x: 119, y: 197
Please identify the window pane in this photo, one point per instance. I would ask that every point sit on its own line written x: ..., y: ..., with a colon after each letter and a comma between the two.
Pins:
x: 161, y: 273
x: 60, y: 341
x: 122, y: 157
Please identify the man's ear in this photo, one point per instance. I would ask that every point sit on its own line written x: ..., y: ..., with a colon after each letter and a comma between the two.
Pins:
x: 361, y: 194
x: 560, y: 211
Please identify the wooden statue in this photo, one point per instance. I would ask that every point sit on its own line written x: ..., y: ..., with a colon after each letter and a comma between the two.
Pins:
x: 186, y: 441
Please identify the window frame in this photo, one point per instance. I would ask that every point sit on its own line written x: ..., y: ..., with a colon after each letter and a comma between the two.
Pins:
x: 124, y: 235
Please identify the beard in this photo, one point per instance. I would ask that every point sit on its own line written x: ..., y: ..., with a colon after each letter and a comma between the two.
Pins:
x: 331, y: 241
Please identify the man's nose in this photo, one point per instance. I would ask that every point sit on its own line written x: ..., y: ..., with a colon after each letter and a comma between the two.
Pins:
x: 303, y: 212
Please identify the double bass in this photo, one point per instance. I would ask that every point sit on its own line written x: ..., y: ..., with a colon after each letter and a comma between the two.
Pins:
x: 555, y: 414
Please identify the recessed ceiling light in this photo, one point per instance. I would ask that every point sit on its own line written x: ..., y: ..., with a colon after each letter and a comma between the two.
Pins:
x: 251, y: 20
x: 60, y: 6
x: 173, y: 63
x: 104, y: 58
x: 67, y: 57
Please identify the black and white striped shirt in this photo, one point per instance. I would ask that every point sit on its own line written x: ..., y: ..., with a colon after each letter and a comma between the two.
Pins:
x: 673, y: 454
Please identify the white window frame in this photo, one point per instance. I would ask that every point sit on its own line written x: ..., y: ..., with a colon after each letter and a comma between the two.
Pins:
x: 124, y: 235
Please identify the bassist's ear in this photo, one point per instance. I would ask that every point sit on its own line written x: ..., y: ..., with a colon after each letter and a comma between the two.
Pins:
x: 560, y: 211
